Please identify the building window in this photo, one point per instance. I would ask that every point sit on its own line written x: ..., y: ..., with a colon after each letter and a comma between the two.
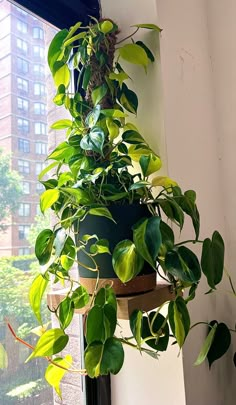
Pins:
x: 26, y: 187
x: 22, y: 104
x: 38, y: 33
x: 40, y: 148
x: 22, y: 84
x: 23, y: 167
x: 24, y: 251
x: 23, y: 231
x: 23, y: 145
x: 39, y: 108
x: 38, y: 51
x: 22, y: 65
x: 22, y: 45
x: 22, y: 26
x: 40, y: 128
x: 24, y: 210
x: 39, y: 89
x: 39, y: 166
x: 39, y: 69
x: 23, y: 126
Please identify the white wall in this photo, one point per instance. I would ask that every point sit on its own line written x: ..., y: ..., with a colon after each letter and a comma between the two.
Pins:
x: 189, y: 111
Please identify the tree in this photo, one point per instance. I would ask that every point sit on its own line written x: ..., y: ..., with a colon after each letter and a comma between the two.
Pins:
x: 10, y: 189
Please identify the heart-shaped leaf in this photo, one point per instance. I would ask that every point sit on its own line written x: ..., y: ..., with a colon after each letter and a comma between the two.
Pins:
x: 212, y: 260
x: 179, y: 319
x: 126, y: 261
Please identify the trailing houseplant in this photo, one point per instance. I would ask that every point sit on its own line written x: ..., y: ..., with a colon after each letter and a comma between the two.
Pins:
x: 92, y: 176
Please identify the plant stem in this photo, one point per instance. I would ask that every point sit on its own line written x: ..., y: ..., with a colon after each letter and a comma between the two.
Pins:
x: 189, y: 241
x: 129, y: 36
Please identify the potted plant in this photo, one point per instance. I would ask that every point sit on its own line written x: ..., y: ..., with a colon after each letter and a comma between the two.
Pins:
x: 116, y: 224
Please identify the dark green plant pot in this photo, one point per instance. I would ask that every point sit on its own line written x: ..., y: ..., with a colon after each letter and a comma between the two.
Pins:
x: 125, y: 216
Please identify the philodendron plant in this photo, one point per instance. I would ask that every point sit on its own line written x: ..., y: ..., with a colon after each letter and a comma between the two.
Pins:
x: 89, y: 174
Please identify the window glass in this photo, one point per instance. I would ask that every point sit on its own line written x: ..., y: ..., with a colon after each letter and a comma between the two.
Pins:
x: 24, y: 251
x: 22, y: 45
x: 41, y: 148
x: 22, y: 104
x: 22, y: 26
x: 24, y: 210
x: 38, y: 33
x: 22, y: 65
x: 40, y: 128
x: 22, y: 126
x: 39, y: 89
x: 26, y: 187
x: 23, y: 231
x: 39, y: 166
x: 38, y: 51
x: 23, y: 166
x: 23, y: 145
x: 22, y: 84
x: 39, y: 108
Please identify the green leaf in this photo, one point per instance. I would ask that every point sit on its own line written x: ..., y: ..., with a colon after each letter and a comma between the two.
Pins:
x: 3, y: 357
x: 206, y: 346
x: 95, y: 329
x: 94, y: 140
x: 212, y: 260
x: 48, y: 198
x: 106, y: 295
x: 62, y: 124
x: 62, y: 76
x: 183, y: 264
x: 148, y: 26
x: 139, y: 184
x: 99, y: 247
x: 106, y: 26
x: 160, y: 341
x: 147, y: 50
x: 136, y: 325
x: 36, y: 292
x: 80, y: 196
x: 93, y: 116
x: 220, y: 343
x: 172, y: 210
x: 132, y: 137
x: 102, y: 359
x: 150, y: 164
x: 179, y: 319
x: 66, y: 312
x: 55, y: 47
x: 167, y: 236
x: 44, y: 245
x: 86, y: 77
x: 80, y: 297
x: 136, y: 151
x: 51, y: 342
x: 147, y: 239
x: 98, y: 93
x: 54, y: 374
x: 101, y: 212
x: 163, y: 181
x: 47, y: 169
x: 135, y: 54
x: 126, y: 261
x: 113, y: 113
x: 128, y: 99
x: 69, y: 41
x: 119, y: 77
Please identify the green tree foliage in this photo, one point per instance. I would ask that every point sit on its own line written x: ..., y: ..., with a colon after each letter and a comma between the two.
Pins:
x: 10, y: 188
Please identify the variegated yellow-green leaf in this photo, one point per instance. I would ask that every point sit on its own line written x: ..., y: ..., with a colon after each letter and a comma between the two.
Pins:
x: 126, y: 261
x: 164, y: 181
x: 112, y: 128
x: 106, y: 26
x: 179, y: 319
x: 98, y: 94
x: 136, y: 151
x: 62, y: 124
x: 135, y: 54
x: 150, y: 164
x: 148, y: 26
x: 206, y: 346
x: 101, y: 212
x: 3, y: 357
x: 120, y: 77
x: 62, y: 76
x: 54, y: 374
x: 48, y: 198
x: 41, y: 329
x: 51, y: 342
x: 37, y: 290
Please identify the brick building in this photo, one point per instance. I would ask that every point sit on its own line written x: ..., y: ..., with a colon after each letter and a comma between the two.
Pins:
x: 23, y: 115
